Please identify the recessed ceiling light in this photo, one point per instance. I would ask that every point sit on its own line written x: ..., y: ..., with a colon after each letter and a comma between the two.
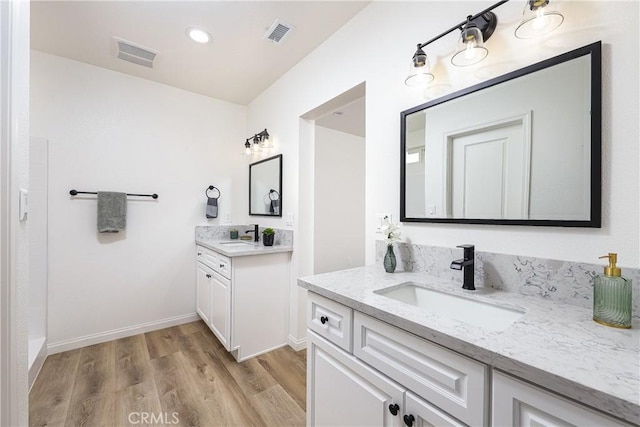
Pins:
x: 198, y: 35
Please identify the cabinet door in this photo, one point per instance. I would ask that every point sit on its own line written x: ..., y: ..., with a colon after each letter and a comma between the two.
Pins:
x: 419, y: 413
x: 221, y: 309
x: 516, y: 404
x: 342, y: 391
x: 452, y: 382
x: 203, y: 292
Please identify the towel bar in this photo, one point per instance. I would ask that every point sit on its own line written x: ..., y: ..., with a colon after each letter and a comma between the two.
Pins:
x: 76, y: 192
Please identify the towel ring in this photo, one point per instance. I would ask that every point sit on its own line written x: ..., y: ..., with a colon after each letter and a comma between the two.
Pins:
x: 272, y: 192
x: 211, y: 187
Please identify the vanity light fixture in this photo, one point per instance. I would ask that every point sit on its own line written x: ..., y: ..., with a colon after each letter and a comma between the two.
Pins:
x: 257, y: 143
x: 538, y: 18
x: 475, y: 30
x: 198, y: 35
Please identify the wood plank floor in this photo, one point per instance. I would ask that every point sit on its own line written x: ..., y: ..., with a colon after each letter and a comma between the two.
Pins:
x: 175, y: 376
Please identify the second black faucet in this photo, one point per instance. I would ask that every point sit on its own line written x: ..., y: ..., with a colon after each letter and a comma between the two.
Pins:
x: 256, y: 233
x: 467, y: 265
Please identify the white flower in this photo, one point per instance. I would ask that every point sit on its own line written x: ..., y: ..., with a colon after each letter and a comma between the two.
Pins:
x: 391, y: 231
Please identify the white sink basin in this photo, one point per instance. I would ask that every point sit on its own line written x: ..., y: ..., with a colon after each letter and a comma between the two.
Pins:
x: 236, y: 244
x: 479, y: 313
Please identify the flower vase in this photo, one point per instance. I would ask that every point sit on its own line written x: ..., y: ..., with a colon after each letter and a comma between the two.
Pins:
x: 389, y: 260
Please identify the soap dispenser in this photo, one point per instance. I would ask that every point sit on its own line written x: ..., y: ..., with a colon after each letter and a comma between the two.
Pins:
x: 612, y: 296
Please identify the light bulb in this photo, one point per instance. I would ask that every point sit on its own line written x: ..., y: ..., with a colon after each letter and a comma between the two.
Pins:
x: 198, y: 35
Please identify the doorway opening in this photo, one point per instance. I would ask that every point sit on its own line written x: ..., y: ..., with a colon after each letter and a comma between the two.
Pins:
x: 337, y: 175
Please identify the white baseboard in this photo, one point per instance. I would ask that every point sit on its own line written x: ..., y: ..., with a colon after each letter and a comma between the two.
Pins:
x: 36, y: 364
x: 60, y: 346
x: 297, y: 344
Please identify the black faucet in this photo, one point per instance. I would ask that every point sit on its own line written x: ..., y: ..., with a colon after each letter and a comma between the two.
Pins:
x: 466, y: 263
x: 256, y: 233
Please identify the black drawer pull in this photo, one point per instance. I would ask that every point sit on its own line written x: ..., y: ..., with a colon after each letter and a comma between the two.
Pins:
x: 221, y: 265
x: 208, y: 276
x: 408, y: 420
x: 394, y: 408
x: 324, y: 319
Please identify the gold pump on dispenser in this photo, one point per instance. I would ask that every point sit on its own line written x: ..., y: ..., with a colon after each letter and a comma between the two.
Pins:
x: 612, y: 296
x: 612, y: 270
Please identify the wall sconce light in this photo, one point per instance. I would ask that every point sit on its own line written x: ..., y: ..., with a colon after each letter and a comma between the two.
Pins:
x: 420, y: 70
x: 471, y: 48
x: 257, y: 142
x: 538, y: 18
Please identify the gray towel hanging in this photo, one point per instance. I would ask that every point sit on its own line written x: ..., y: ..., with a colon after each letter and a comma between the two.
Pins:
x: 112, y: 212
x: 212, y: 207
x: 212, y: 202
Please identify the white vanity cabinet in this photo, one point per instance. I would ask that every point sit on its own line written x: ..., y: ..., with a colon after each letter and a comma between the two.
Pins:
x: 389, y: 389
x: 213, y: 293
x: 362, y: 371
x: 519, y: 404
x: 244, y: 300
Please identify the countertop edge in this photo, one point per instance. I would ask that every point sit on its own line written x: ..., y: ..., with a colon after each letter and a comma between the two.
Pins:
x: 215, y: 245
x: 611, y: 405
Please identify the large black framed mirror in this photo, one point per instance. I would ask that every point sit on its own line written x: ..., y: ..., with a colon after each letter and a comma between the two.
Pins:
x: 520, y: 149
x: 265, y: 187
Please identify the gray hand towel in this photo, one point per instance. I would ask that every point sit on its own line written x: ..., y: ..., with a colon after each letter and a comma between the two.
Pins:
x: 274, y: 207
x: 112, y: 212
x: 212, y: 207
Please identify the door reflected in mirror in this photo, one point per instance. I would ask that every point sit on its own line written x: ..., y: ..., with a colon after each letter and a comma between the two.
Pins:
x: 521, y: 149
x: 265, y: 187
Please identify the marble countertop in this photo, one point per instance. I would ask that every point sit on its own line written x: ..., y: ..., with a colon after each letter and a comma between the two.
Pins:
x: 234, y: 248
x: 554, y: 345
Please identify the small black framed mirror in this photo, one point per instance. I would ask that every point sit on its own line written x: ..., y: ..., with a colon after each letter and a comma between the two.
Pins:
x: 520, y: 149
x: 265, y: 187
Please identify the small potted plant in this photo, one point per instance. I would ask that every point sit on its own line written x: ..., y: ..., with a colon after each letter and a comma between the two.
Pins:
x: 233, y: 233
x: 267, y: 236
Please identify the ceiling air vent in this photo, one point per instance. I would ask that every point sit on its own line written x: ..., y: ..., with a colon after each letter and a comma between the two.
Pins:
x: 278, y: 31
x: 135, y: 53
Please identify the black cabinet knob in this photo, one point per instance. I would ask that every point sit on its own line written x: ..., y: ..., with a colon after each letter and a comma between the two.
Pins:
x: 208, y: 276
x: 408, y: 420
x: 221, y: 265
x: 324, y: 319
x: 394, y: 408
x: 199, y: 253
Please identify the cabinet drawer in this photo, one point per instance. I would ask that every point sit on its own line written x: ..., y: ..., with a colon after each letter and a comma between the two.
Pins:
x: 452, y: 382
x: 517, y: 403
x: 330, y: 320
x: 217, y: 262
x: 223, y: 266
x: 206, y: 256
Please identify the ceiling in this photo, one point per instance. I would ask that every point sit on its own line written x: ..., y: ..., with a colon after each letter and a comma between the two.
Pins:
x: 236, y: 66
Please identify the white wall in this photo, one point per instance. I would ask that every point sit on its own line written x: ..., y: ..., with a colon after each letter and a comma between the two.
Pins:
x: 14, y: 241
x: 339, y: 200
x: 376, y: 46
x: 113, y: 132
x: 38, y: 253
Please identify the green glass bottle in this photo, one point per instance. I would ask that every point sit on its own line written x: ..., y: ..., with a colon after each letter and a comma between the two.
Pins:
x: 612, y: 296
